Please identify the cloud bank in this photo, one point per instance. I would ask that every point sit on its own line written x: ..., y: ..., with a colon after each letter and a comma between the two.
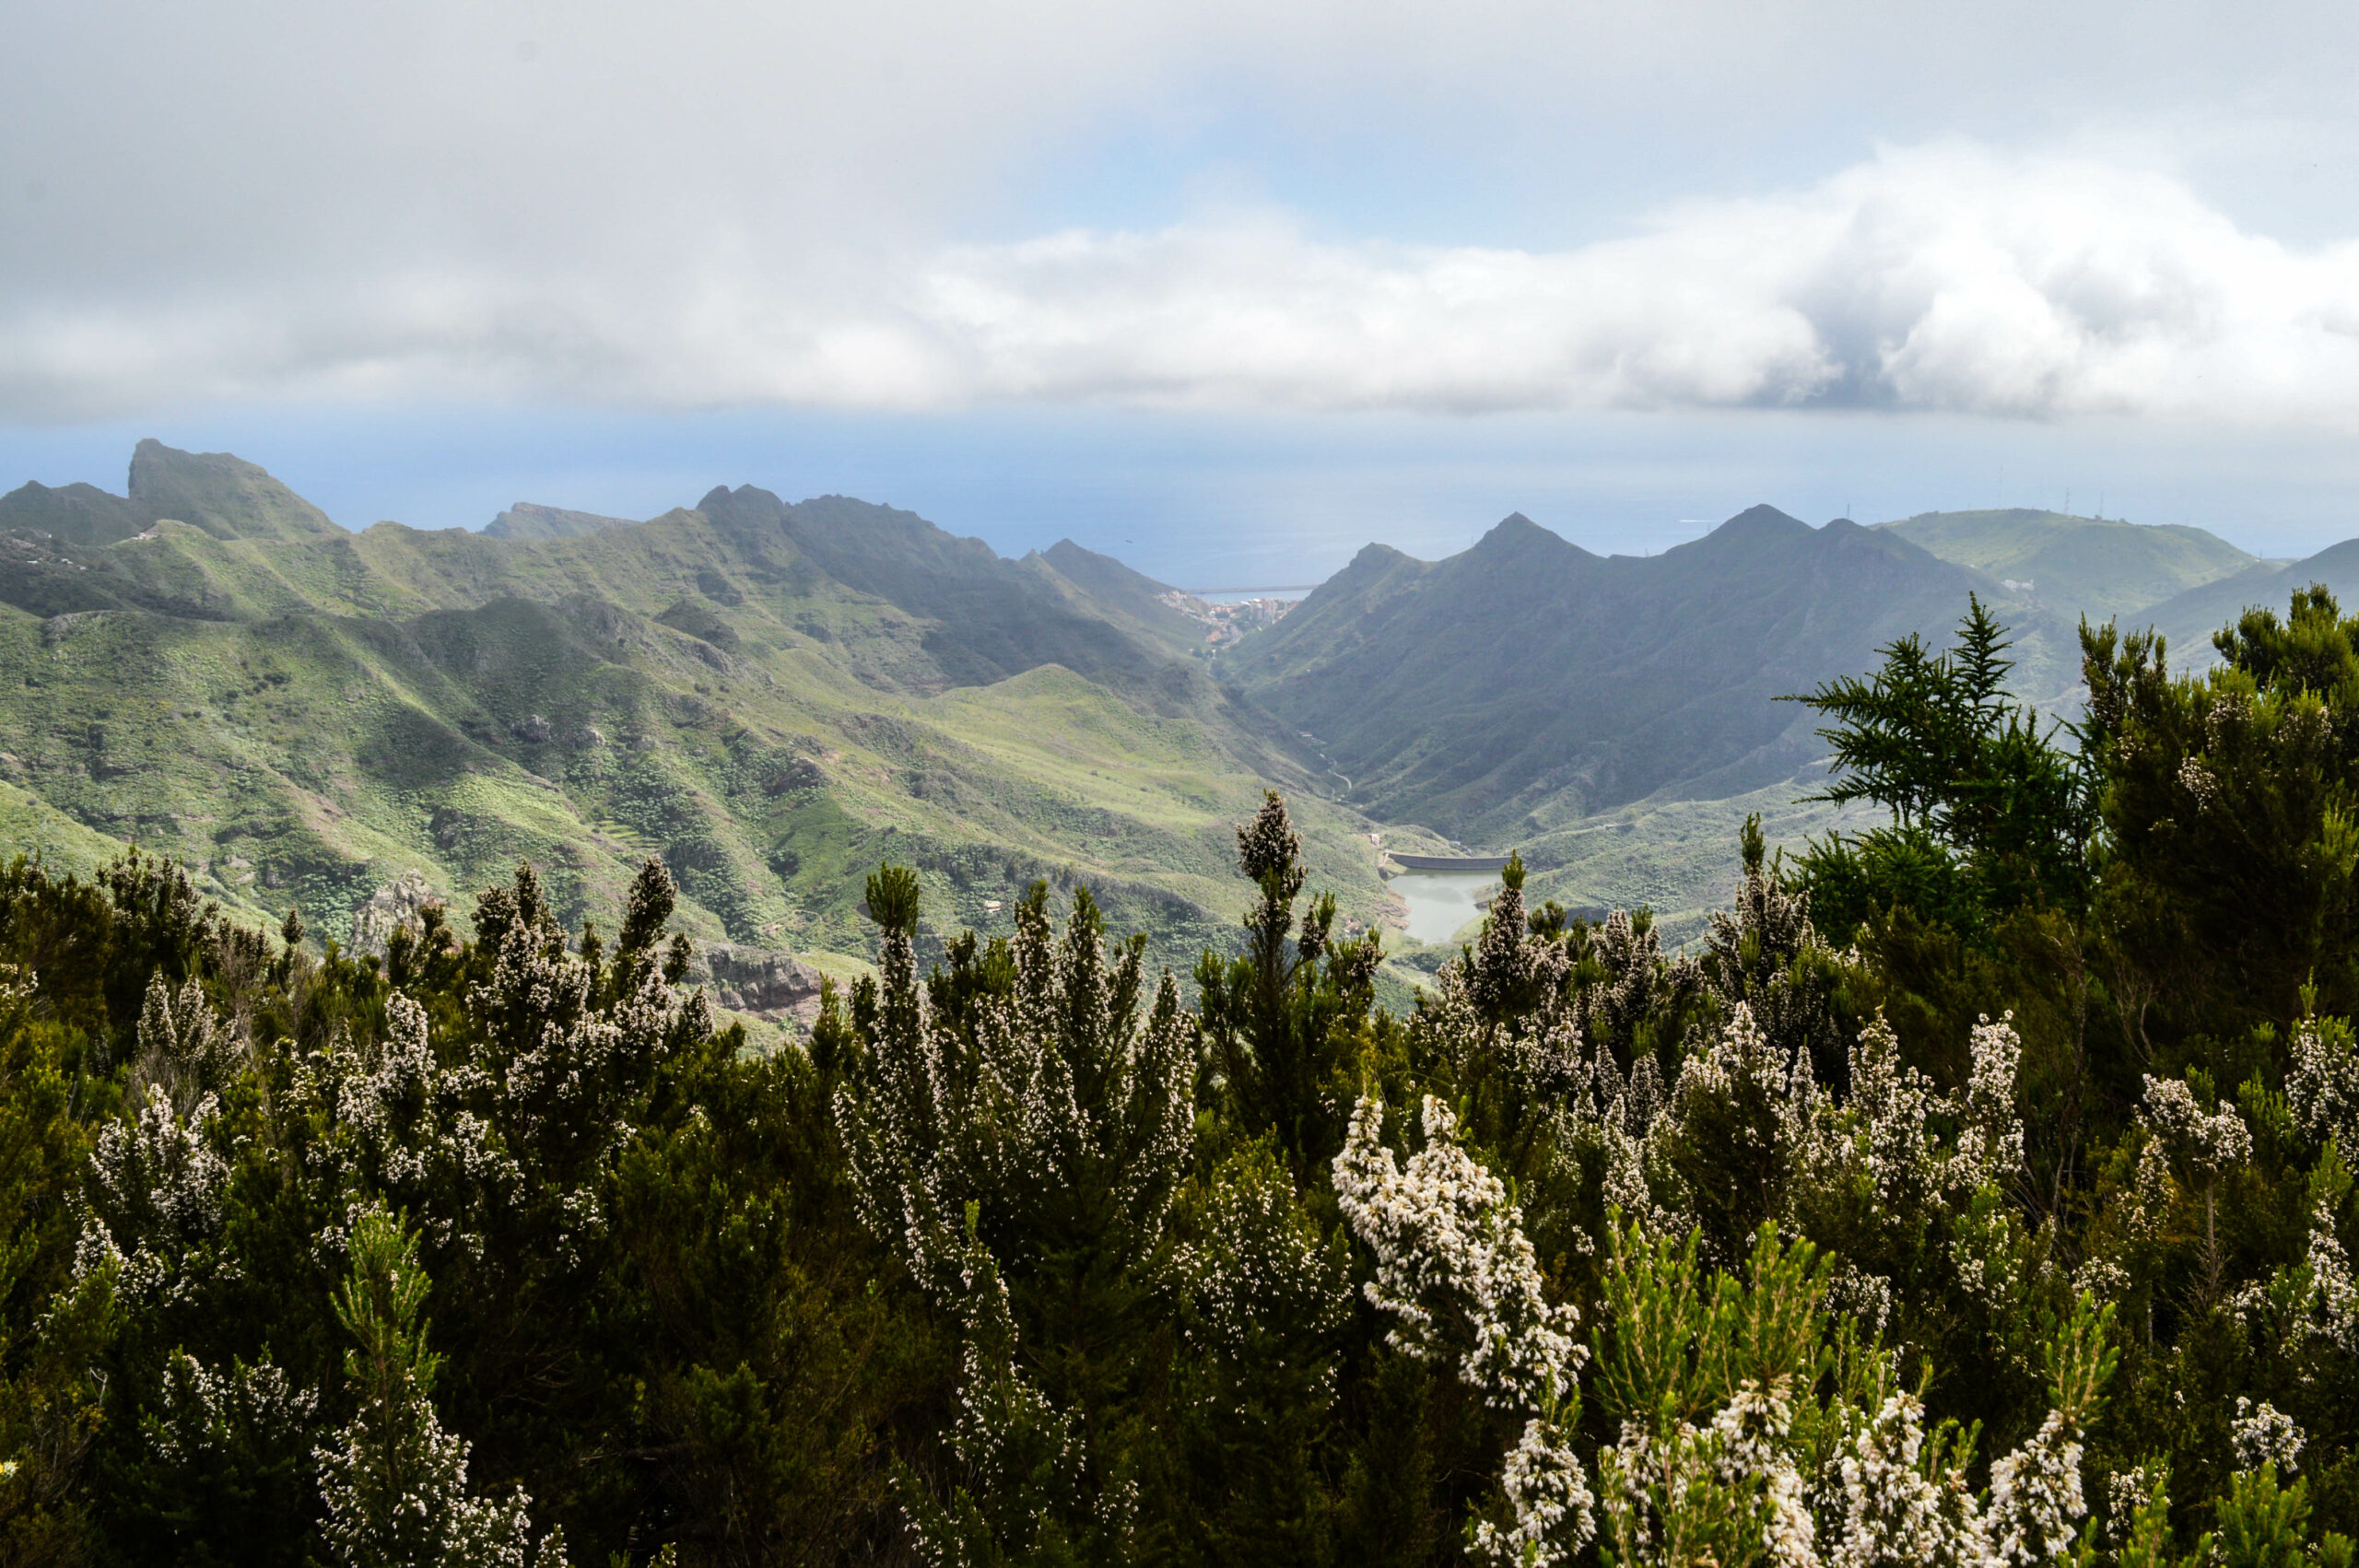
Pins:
x: 1941, y: 278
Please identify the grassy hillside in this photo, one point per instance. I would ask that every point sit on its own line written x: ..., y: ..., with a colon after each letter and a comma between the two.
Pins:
x: 1526, y: 684
x: 2097, y: 567
x: 773, y: 697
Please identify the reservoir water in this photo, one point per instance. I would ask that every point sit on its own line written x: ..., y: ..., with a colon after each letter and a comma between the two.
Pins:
x: 1440, y: 902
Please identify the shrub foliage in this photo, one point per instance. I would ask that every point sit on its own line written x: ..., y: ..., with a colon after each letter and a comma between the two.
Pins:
x: 1974, y: 1194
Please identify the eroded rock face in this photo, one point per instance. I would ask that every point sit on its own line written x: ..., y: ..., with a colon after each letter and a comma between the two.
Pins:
x: 752, y: 979
x: 396, y: 904
x: 801, y: 772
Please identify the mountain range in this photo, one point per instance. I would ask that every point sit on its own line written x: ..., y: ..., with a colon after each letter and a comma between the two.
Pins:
x: 774, y: 696
x: 1528, y: 683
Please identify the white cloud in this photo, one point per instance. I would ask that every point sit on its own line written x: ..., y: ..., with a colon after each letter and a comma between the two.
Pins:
x: 1940, y: 277
x: 711, y: 202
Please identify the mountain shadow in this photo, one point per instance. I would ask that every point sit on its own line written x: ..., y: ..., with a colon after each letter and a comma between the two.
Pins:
x: 1526, y: 681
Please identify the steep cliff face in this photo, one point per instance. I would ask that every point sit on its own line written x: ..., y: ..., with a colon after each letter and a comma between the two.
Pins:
x: 750, y: 980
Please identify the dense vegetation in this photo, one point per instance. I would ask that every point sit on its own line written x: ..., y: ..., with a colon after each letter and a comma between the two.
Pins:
x: 1974, y: 1194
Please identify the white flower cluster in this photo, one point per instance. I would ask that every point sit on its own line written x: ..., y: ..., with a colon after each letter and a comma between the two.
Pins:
x: 395, y: 1486
x: 2323, y: 1081
x: 1982, y: 1248
x: 1638, y: 979
x: 1765, y: 954
x: 2207, y: 1143
x: 406, y: 1119
x: 1550, y: 1507
x: 1743, y: 1066
x: 201, y: 1408
x: 1503, y: 957
x: 1991, y: 1138
x: 1060, y: 1085
x: 1751, y: 1433
x: 2035, y: 1497
x: 1890, y: 1501
x: 1890, y: 1104
x: 1865, y: 1297
x: 1455, y: 1270
x: 2263, y: 1434
x: 552, y: 1084
x: 153, y: 1201
x: 1889, y: 1495
x: 184, y: 1049
x: 1453, y: 1266
x: 1059, y: 1088
x: 1259, y: 1260
x: 560, y: 1063
x: 2331, y: 1306
x: 2128, y: 1493
x: 1731, y: 1487
x: 1879, y: 1141
x: 2199, y: 782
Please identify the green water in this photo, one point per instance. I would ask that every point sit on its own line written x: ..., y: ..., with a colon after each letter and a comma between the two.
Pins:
x: 1440, y: 902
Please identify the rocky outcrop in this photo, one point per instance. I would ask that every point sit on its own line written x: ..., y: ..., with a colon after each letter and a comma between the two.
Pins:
x: 799, y: 773
x: 752, y: 979
x: 396, y: 904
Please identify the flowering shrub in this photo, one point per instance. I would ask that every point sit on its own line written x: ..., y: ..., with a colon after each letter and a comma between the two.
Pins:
x: 1974, y: 1195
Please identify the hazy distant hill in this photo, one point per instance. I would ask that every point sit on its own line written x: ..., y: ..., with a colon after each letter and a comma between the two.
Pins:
x: 1527, y: 682
x: 772, y: 696
x: 2097, y: 567
x: 529, y: 520
x: 2189, y: 619
x: 80, y: 514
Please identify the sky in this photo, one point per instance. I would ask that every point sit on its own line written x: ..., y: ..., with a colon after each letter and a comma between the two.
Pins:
x: 1226, y: 289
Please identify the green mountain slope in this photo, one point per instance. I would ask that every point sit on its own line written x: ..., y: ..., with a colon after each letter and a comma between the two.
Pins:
x: 773, y: 697
x: 1132, y: 599
x: 1527, y: 683
x: 2097, y: 567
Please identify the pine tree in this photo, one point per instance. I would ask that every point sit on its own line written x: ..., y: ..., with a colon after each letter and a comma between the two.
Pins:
x: 1280, y: 1021
x: 396, y: 1483
x: 1989, y: 813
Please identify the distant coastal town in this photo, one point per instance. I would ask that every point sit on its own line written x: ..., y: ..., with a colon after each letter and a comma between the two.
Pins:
x: 1227, y: 621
